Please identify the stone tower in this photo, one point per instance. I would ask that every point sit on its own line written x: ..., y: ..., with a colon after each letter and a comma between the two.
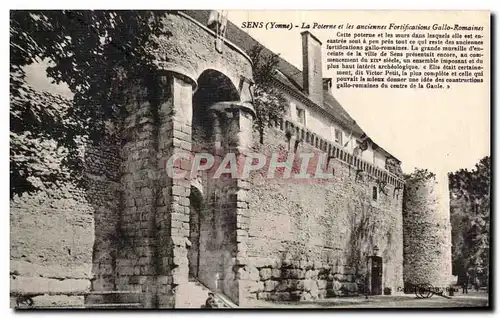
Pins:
x: 426, y: 231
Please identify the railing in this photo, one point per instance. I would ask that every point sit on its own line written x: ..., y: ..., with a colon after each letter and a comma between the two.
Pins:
x: 334, y: 151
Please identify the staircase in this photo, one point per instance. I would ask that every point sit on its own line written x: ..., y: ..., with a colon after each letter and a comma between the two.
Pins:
x: 197, y: 294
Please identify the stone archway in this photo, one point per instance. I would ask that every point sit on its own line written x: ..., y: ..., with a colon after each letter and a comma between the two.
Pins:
x: 213, y: 87
x: 216, y: 224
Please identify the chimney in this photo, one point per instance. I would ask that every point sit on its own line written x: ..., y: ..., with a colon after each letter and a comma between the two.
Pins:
x: 312, y: 69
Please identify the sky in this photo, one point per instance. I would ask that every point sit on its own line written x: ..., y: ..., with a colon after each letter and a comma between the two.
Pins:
x: 440, y: 130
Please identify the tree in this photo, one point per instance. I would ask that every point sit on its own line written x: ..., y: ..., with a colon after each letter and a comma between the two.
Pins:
x: 419, y: 174
x: 269, y: 101
x: 470, y: 219
x: 98, y: 54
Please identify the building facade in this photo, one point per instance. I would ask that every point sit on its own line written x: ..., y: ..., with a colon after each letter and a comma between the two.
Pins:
x: 167, y: 241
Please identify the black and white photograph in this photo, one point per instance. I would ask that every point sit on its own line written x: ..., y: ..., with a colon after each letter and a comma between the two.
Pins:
x: 244, y: 159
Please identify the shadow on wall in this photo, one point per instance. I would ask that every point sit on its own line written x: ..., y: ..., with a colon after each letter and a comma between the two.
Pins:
x: 361, y: 236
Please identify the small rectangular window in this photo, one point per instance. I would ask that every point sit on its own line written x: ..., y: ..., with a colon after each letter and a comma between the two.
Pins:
x: 338, y: 136
x: 375, y: 193
x: 301, y: 116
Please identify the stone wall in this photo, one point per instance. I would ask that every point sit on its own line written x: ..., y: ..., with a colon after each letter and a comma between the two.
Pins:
x: 258, y: 240
x: 310, y: 239
x: 60, y: 234
x: 427, y: 233
x: 188, y: 47
x: 52, y: 235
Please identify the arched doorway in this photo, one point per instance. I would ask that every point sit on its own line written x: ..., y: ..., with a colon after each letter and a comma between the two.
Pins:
x: 211, y: 258
x: 213, y: 87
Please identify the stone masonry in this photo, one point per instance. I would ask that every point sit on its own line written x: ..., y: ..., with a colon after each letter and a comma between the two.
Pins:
x: 427, y: 233
x: 134, y: 228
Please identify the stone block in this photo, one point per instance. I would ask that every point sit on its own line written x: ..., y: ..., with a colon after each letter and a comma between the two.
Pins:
x: 164, y: 280
x: 182, y: 217
x: 256, y: 287
x: 336, y: 285
x: 276, y: 263
x: 241, y: 233
x: 295, y: 295
x: 178, y: 190
x: 350, y: 287
x: 242, y: 274
x: 322, y: 293
x: 276, y: 273
x: 39, y: 284
x: 349, y: 270
x: 253, y: 274
x: 282, y: 286
x: 317, y: 265
x: 262, y: 262
x: 60, y: 301
x: 265, y: 273
x: 133, y: 280
x: 305, y: 296
x: 280, y: 296
x: 322, y: 284
x: 241, y: 247
x: 287, y: 263
x: 309, y: 284
x: 263, y: 296
x: 270, y: 285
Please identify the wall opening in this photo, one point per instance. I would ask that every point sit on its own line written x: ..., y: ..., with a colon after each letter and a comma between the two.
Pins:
x: 217, y: 217
x: 196, y: 204
x: 376, y: 275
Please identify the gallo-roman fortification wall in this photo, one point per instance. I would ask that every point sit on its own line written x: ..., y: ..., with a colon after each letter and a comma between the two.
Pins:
x: 427, y: 232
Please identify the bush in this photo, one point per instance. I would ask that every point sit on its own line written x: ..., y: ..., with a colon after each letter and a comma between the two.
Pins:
x: 387, y: 291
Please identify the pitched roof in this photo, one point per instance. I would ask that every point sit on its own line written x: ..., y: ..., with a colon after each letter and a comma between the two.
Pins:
x: 290, y: 75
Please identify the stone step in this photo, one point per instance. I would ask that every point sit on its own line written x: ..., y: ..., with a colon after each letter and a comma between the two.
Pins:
x: 115, y: 305
x: 114, y: 292
x: 112, y: 296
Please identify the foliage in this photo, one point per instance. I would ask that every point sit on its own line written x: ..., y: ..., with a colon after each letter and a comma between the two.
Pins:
x: 37, y: 121
x: 97, y: 54
x: 470, y: 219
x: 269, y: 101
x: 419, y: 174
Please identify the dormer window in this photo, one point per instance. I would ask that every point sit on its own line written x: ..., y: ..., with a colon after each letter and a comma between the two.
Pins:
x: 338, y: 136
x: 301, y: 115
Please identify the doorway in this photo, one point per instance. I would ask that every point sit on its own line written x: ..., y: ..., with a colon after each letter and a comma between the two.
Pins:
x: 376, y: 275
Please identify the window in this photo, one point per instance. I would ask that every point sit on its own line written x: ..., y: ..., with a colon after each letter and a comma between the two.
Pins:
x: 375, y: 193
x: 301, y: 116
x: 338, y: 136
